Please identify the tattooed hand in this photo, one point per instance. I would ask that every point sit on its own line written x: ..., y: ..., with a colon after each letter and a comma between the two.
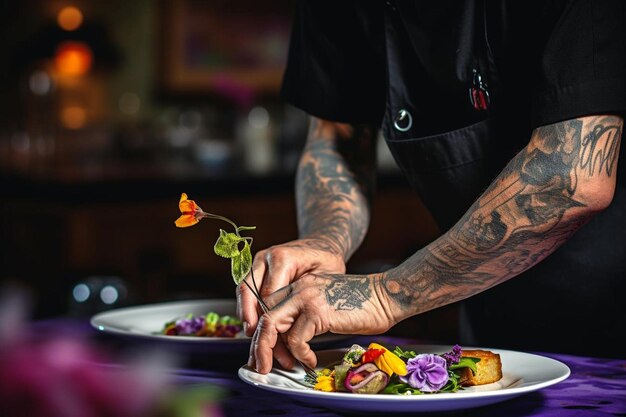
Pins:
x: 334, y: 184
x: 315, y: 304
x: 280, y: 265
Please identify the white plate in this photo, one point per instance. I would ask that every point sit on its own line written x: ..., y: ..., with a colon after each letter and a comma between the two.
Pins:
x: 522, y: 373
x: 145, y: 322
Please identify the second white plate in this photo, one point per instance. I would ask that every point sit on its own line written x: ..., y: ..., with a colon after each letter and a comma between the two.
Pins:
x: 146, y: 321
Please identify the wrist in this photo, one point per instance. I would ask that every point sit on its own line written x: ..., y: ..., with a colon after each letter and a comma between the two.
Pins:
x: 388, y: 307
x: 326, y: 244
x: 401, y: 296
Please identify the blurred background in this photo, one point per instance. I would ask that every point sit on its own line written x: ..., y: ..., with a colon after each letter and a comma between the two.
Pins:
x: 109, y: 110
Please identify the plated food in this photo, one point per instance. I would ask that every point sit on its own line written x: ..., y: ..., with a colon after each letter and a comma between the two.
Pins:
x: 488, y: 368
x: 522, y: 373
x: 147, y: 322
x: 378, y: 370
x: 203, y: 325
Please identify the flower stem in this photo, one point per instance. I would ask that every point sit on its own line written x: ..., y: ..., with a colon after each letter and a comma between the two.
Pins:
x: 218, y: 217
x: 256, y: 292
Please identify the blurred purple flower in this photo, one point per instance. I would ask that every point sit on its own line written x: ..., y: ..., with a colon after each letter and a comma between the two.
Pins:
x: 66, y: 377
x: 426, y: 372
x: 62, y: 375
x: 190, y: 325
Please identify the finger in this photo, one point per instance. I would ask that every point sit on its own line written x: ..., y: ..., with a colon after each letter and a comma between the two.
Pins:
x: 247, y: 305
x: 283, y: 355
x: 281, y: 271
x: 298, y: 336
x: 247, y: 308
x: 251, y: 358
x: 280, y: 320
x: 274, y: 299
x: 263, y: 343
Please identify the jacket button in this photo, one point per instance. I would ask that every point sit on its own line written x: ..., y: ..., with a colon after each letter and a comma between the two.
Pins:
x: 403, y: 121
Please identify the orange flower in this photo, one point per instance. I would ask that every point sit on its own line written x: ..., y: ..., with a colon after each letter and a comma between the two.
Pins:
x: 191, y: 212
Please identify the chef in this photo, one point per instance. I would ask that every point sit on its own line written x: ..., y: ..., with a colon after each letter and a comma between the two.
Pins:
x: 506, y: 117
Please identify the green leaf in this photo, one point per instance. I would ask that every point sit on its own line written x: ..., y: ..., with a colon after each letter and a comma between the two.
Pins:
x: 466, y: 362
x: 227, y: 245
x: 240, y: 265
x: 400, y: 388
x: 452, y: 385
x: 407, y: 354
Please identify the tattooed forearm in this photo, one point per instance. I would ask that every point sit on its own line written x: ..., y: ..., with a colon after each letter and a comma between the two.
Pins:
x: 334, y: 185
x: 546, y: 193
x: 349, y: 293
x: 600, y: 148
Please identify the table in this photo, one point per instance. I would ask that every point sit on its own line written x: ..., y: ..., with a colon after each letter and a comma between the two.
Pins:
x: 596, y: 386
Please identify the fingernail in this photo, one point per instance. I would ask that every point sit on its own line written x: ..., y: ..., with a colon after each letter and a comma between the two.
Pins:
x: 251, y: 361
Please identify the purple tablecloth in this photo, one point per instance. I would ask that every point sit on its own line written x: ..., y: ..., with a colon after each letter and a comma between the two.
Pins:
x: 596, y: 386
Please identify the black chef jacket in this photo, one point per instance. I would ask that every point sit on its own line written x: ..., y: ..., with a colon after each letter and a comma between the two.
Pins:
x: 415, y: 69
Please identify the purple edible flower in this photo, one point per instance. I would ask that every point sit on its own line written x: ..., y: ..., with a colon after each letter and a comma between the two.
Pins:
x: 453, y: 357
x: 190, y: 326
x: 233, y: 328
x: 426, y: 372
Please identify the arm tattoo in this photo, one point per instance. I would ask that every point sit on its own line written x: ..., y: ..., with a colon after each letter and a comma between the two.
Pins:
x: 349, y: 293
x: 534, y: 206
x: 600, y: 148
x: 334, y: 181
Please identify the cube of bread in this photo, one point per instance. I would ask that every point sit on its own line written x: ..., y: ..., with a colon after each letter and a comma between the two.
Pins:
x: 489, y: 368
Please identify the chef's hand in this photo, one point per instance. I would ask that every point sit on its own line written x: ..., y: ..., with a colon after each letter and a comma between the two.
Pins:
x: 316, y: 304
x: 280, y: 265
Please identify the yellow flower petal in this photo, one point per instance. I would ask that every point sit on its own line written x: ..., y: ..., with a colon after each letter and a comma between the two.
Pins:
x: 388, y: 362
x: 376, y: 346
x: 325, y: 383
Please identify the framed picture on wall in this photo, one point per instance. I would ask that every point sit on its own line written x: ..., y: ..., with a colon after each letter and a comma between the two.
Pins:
x: 224, y: 46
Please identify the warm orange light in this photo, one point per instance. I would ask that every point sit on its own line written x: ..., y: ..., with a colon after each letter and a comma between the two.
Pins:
x: 73, y: 117
x: 70, y: 18
x: 73, y: 58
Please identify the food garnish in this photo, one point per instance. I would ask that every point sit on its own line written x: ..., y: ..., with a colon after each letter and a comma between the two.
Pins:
x: 208, y: 325
x: 230, y: 245
x: 377, y: 370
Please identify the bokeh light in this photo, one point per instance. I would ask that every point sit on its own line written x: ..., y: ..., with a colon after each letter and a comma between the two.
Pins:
x: 40, y: 83
x: 258, y: 117
x: 73, y: 58
x: 73, y: 117
x: 81, y: 293
x: 129, y: 103
x: 109, y: 294
x: 70, y: 18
